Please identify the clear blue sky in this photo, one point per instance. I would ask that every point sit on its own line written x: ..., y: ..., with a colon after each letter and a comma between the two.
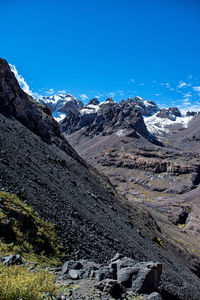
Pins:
x: 99, y: 48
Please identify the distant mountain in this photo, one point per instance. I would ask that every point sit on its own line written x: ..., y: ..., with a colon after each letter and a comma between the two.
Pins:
x: 61, y: 104
x: 167, y: 121
x: 159, y: 122
x: 108, y: 117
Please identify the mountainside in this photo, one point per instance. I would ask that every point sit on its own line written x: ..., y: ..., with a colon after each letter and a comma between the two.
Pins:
x: 91, y: 219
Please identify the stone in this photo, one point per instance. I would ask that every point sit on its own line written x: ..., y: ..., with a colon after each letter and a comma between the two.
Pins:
x: 75, y: 274
x: 12, y: 260
x: 110, y: 287
x: 148, y: 277
x: 103, y: 273
x: 125, y: 276
x: 154, y: 296
x: 71, y: 265
x: 125, y: 262
x: 117, y: 257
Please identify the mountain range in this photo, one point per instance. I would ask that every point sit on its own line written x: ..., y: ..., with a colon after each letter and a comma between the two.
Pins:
x: 123, y: 189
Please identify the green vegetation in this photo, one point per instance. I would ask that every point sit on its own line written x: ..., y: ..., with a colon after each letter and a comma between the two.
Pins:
x: 158, y: 241
x: 23, y: 232
x: 131, y: 296
x: 181, y: 225
x: 67, y: 288
x: 19, y: 282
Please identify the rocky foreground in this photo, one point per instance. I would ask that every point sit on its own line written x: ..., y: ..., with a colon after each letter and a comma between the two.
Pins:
x: 122, y: 278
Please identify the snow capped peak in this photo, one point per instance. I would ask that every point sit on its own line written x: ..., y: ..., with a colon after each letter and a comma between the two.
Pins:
x: 146, y: 107
x: 138, y: 98
x: 57, y: 97
x: 159, y: 125
x: 61, y: 104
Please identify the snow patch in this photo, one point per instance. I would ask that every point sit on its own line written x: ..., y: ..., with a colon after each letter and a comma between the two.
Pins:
x: 157, y: 125
x: 121, y: 132
x: 89, y: 109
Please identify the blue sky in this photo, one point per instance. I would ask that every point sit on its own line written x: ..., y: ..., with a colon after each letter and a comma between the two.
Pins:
x: 98, y: 48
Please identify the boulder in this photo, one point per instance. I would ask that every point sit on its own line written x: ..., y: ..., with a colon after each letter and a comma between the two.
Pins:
x: 12, y: 260
x: 110, y: 287
x: 154, y: 296
x: 68, y: 265
x: 75, y: 274
x: 148, y: 277
x: 125, y: 276
x: 104, y: 272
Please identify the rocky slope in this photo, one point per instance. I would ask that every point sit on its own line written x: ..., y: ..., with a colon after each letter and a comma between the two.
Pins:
x: 91, y: 219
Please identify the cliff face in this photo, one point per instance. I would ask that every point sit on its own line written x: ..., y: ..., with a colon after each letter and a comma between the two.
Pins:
x: 14, y: 101
x: 35, y: 116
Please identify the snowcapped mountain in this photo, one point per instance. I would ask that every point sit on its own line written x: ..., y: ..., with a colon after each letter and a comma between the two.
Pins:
x: 61, y: 104
x: 160, y: 125
x: 159, y: 122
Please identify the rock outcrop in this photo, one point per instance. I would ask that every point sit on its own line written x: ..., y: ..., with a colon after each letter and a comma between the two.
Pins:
x: 170, y: 113
x: 119, y: 276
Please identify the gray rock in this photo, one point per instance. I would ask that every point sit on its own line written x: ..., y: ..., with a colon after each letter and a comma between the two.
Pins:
x: 68, y: 265
x: 117, y: 257
x: 125, y: 276
x: 75, y: 274
x: 148, y: 277
x: 104, y: 273
x: 12, y: 260
x: 125, y: 262
x: 110, y: 287
x: 154, y: 296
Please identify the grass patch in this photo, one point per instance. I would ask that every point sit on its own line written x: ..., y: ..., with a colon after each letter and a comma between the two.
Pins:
x: 18, y: 282
x: 23, y: 232
x: 65, y: 289
x: 181, y: 225
x: 158, y: 241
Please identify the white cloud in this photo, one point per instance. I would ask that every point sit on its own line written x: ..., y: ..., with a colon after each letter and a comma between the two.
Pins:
x: 84, y: 97
x: 187, y: 95
x: 142, y: 84
x: 182, y: 84
x: 188, y: 107
x: 196, y: 88
x: 62, y: 92
x: 111, y: 94
x: 24, y: 85
x: 166, y: 84
x: 190, y: 76
x: 50, y: 92
x: 132, y: 80
x: 186, y: 101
